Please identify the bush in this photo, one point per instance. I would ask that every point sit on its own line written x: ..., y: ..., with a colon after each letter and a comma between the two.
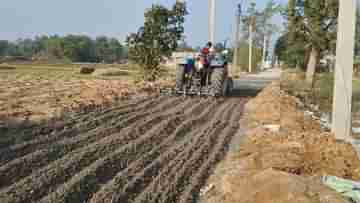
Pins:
x: 244, y: 57
x: 87, y: 70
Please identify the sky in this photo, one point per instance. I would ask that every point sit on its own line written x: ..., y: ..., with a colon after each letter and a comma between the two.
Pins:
x: 113, y: 18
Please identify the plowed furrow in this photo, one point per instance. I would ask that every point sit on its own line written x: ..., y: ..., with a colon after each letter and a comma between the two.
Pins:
x: 43, y: 142
x: 46, y: 179
x: 181, y: 178
x: 160, y: 185
x: 104, y: 169
x: 191, y: 193
x: 159, y: 149
x: 19, y: 168
x: 143, y: 179
x: 69, y: 125
x: 79, y: 126
x: 145, y: 165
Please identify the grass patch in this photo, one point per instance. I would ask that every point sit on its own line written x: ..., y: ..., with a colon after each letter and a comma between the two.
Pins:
x: 4, y: 67
x: 111, y: 72
x: 322, y: 92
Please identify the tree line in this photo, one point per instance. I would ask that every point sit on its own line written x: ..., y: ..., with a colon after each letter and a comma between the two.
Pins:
x: 73, y: 48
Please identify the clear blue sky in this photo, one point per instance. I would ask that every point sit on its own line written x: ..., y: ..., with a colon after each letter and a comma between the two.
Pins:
x: 115, y: 18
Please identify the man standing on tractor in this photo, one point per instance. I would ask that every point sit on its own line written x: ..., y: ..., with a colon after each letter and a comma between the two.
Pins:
x: 208, y: 50
x: 208, y: 53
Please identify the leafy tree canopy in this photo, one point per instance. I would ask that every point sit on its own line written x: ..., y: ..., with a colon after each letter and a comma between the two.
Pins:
x: 158, y: 38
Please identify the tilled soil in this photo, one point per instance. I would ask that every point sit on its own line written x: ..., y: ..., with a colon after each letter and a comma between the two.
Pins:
x: 34, y: 98
x: 151, y: 150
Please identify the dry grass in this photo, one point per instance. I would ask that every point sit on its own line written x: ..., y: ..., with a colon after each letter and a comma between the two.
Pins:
x: 37, y: 91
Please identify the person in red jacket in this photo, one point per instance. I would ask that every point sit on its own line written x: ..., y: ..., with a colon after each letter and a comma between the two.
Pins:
x: 206, y: 49
x: 207, y: 52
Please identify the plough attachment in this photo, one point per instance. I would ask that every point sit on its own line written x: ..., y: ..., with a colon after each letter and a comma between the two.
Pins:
x: 188, y: 92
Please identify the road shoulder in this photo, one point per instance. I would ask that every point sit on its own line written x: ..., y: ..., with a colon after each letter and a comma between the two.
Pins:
x: 279, y: 156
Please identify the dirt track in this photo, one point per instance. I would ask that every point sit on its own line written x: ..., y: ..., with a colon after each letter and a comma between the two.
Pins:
x: 151, y: 150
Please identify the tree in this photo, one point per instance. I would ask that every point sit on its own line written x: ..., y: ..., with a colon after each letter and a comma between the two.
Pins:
x: 25, y: 47
x: 268, y: 28
x: 315, y: 22
x: 262, y: 28
x: 252, y: 16
x: 293, y: 55
x: 102, y: 49
x: 54, y: 47
x: 281, y: 47
x: 108, y: 50
x: 357, y: 36
x: 158, y: 38
x: 4, y: 46
x: 116, y: 50
x: 79, y: 48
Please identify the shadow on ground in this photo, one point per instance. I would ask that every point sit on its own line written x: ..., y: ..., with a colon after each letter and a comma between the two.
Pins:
x: 14, y: 131
x: 249, y: 87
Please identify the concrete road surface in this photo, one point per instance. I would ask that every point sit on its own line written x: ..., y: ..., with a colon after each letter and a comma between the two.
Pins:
x: 251, y: 84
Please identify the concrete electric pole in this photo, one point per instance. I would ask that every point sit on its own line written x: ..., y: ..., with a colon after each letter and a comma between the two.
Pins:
x: 212, y: 10
x: 263, y: 61
x: 341, y: 123
x: 237, y: 39
x: 250, y: 43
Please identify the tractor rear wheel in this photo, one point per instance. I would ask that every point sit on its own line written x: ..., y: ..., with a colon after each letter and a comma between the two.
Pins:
x: 228, y: 86
x: 180, y: 76
x: 217, y: 80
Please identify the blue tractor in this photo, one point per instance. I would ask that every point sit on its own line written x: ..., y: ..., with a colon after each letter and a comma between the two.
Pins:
x: 203, y: 75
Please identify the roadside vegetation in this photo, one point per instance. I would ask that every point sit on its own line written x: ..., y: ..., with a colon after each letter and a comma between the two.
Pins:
x: 307, y: 52
x: 282, y: 157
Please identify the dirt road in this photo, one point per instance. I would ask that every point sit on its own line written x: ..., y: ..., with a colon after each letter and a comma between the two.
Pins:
x: 150, y: 150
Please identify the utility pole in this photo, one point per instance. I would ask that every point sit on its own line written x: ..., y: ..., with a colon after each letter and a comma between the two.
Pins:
x: 250, y: 43
x: 264, y: 50
x: 341, y: 123
x: 212, y: 10
x: 237, y: 38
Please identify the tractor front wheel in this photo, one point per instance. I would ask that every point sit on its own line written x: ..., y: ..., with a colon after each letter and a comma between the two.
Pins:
x: 217, y: 80
x: 180, y: 77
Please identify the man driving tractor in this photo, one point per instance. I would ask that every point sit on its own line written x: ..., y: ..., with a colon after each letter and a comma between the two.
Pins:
x: 203, y: 61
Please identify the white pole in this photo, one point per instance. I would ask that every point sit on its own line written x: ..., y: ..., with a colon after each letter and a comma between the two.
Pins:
x: 250, y: 45
x: 237, y: 41
x: 264, y: 51
x: 341, y: 123
x: 212, y: 10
